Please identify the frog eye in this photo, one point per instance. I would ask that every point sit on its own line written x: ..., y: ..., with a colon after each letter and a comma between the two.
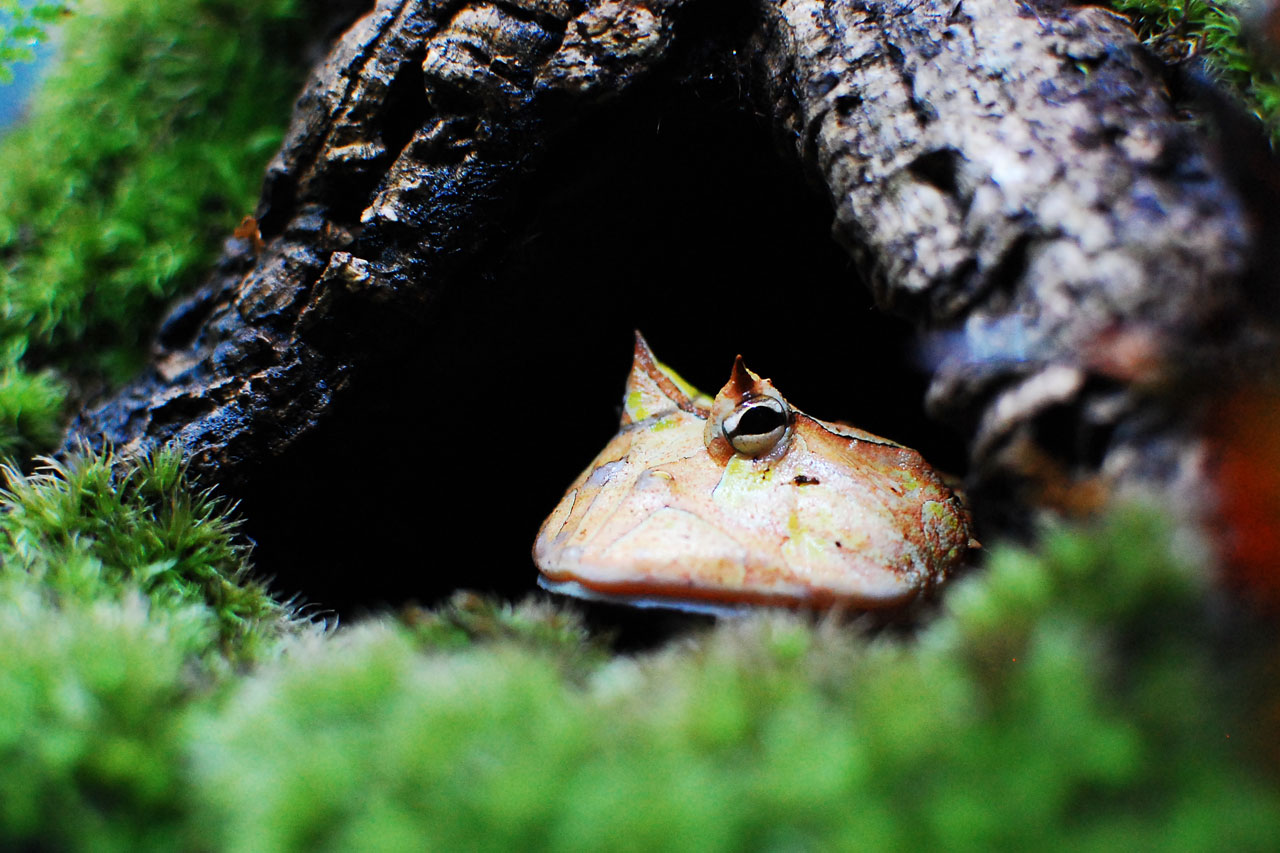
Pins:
x: 757, y: 425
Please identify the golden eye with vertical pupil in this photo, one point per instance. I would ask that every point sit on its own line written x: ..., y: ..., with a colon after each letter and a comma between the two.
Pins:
x: 757, y: 425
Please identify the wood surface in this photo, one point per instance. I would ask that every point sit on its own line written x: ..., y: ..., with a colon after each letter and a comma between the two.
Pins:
x: 1013, y: 178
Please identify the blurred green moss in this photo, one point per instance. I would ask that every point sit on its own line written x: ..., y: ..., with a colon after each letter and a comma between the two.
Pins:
x: 123, y: 601
x: 24, y: 24
x: 1067, y: 699
x: 91, y: 738
x: 31, y: 404
x: 1093, y: 693
x: 1182, y: 29
x: 144, y: 147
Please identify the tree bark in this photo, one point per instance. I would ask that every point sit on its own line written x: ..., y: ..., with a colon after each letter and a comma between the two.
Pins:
x: 1010, y: 177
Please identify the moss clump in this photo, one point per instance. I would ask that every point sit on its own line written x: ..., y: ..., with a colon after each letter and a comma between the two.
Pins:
x: 100, y: 529
x: 31, y: 404
x: 1180, y: 29
x: 123, y: 600
x: 1068, y: 699
x: 144, y: 147
x: 91, y: 738
x: 469, y: 619
x: 1094, y: 693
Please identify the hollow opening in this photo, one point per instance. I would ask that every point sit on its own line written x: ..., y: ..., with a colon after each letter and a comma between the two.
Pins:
x: 672, y: 215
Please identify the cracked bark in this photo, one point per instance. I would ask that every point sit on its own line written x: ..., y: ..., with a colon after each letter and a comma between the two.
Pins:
x: 1010, y: 177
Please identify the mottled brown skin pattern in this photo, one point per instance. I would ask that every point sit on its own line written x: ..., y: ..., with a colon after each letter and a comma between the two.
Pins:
x: 871, y: 459
x: 670, y: 512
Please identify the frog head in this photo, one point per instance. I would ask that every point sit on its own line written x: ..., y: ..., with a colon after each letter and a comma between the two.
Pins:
x: 742, y: 499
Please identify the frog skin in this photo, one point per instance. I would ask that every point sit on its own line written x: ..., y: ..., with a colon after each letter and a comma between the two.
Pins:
x: 717, y: 504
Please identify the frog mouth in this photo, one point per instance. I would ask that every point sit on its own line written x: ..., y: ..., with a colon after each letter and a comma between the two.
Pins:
x: 713, y: 602
x: 687, y: 605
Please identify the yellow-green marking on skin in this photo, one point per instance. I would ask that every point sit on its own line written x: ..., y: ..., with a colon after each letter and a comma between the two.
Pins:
x: 634, y: 406
x: 743, y: 482
x: 663, y: 423
x: 698, y: 397
x: 742, y: 500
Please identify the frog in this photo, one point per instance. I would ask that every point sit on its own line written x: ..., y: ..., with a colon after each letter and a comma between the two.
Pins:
x: 738, y: 501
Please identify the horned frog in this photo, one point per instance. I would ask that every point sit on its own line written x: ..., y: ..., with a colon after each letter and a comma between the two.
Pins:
x: 714, y: 504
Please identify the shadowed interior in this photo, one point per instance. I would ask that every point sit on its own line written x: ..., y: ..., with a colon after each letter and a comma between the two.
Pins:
x: 675, y: 216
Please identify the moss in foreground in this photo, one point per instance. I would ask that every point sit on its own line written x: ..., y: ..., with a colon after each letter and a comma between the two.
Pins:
x: 1091, y: 694
x: 91, y: 739
x: 1068, y: 699
x: 123, y: 601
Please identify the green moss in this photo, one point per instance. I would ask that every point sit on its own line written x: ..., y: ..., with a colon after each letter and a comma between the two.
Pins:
x: 1178, y: 29
x: 90, y: 734
x: 144, y: 147
x: 24, y: 24
x: 96, y: 529
x: 123, y: 600
x: 469, y: 619
x: 1067, y: 699
x: 30, y: 409
x: 1089, y: 694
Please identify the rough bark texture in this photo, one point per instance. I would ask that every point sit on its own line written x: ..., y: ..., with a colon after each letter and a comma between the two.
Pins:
x: 1009, y: 176
x: 393, y: 169
x: 1015, y: 173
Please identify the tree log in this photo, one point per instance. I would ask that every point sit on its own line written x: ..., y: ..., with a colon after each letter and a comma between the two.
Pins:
x: 393, y: 167
x: 1016, y: 174
x: 1010, y: 177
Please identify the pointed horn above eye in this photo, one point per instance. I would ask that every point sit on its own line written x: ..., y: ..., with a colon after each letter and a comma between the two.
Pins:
x: 642, y: 347
x: 741, y: 381
x: 642, y: 358
x: 652, y: 388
